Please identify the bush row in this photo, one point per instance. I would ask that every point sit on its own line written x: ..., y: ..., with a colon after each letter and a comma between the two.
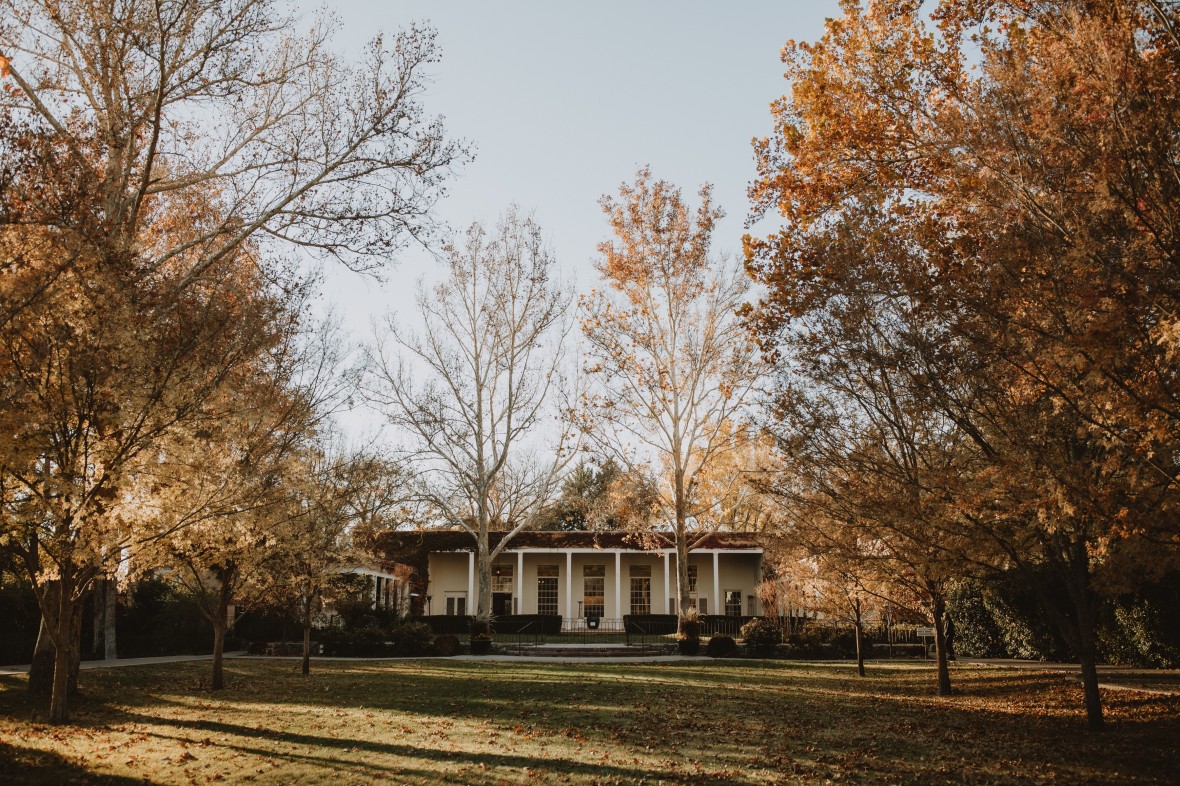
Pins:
x: 1004, y: 618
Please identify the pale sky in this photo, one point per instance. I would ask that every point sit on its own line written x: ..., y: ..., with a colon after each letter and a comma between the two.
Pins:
x: 563, y: 101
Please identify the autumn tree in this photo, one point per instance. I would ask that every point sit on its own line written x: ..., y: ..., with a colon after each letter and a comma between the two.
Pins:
x: 673, y: 366
x: 224, y: 489
x: 602, y: 496
x: 335, y: 495
x: 1014, y: 153
x: 189, y: 143
x: 472, y: 393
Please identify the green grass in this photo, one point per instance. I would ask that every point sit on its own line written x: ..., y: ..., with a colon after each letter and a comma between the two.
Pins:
x: 706, y: 721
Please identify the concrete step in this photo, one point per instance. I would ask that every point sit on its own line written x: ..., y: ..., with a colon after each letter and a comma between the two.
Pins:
x: 551, y: 651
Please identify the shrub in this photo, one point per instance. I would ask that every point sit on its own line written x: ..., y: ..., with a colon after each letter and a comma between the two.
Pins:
x: 721, y: 647
x: 1132, y: 635
x: 690, y: 625
x: 815, y: 643
x: 481, y: 629
x: 411, y: 638
x: 446, y: 645
x: 976, y: 632
x: 761, y: 636
x: 154, y: 618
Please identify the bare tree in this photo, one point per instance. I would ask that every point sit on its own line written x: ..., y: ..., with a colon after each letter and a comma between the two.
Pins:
x: 674, y: 365
x: 491, y: 358
x: 159, y: 102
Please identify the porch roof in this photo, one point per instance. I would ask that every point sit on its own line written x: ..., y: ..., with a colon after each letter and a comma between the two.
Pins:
x: 405, y: 543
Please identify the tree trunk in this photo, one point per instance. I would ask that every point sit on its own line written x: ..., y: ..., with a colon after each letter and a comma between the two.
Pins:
x: 76, y: 650
x: 218, y: 649
x: 220, y: 626
x: 483, y: 581
x: 59, y: 711
x: 860, y: 656
x: 110, y: 618
x: 65, y: 630
x: 682, y: 593
x: 944, y: 673
x: 1078, y: 628
x: 1088, y: 660
x: 1085, y: 634
x: 41, y: 669
x: 306, y: 669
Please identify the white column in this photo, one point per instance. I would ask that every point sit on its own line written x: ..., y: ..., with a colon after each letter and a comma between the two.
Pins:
x: 756, y: 606
x: 667, y: 570
x: 520, y: 582
x: 569, y: 587
x: 618, y: 584
x: 717, y: 608
x: 471, y: 608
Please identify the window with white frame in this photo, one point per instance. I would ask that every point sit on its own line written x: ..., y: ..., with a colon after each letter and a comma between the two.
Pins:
x: 502, y: 578
x: 692, y: 578
x: 456, y: 604
x: 733, y: 603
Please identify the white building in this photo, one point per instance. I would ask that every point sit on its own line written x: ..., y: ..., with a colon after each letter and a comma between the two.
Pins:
x: 581, y: 576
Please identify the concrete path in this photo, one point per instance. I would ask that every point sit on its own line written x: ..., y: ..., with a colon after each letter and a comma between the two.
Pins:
x: 120, y: 662
x: 1158, y: 681
x: 1161, y: 681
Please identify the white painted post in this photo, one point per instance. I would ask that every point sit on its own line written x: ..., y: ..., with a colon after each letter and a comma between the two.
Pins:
x: 717, y: 607
x: 618, y: 585
x: 471, y: 607
x: 520, y: 582
x: 569, y: 588
x: 667, y: 570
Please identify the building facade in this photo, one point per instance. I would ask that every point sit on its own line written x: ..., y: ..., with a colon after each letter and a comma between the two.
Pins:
x: 587, y: 578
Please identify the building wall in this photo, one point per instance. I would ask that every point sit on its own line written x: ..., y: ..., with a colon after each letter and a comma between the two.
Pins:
x: 448, y: 573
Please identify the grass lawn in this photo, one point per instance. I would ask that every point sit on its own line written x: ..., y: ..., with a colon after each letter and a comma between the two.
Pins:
x: 699, y: 721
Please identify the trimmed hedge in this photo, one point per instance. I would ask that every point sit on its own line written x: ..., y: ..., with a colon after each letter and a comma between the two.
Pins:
x: 447, y: 646
x: 409, y: 639
x: 513, y: 624
x: 721, y: 647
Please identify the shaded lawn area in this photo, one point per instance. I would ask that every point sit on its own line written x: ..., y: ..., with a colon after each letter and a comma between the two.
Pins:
x: 706, y: 721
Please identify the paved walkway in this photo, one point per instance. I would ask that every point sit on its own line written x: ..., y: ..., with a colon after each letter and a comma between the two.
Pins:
x: 1161, y: 681
x: 120, y: 662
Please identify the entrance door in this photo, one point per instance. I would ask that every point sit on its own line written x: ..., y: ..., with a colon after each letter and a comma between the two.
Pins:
x: 501, y: 603
x: 456, y: 604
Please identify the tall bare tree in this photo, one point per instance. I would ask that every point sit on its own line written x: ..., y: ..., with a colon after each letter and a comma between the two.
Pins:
x: 226, y: 100
x: 673, y: 364
x: 490, y: 359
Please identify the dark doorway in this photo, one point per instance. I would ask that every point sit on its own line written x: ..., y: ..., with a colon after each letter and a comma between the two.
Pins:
x: 501, y: 603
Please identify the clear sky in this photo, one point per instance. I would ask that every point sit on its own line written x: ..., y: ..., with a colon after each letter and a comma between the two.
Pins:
x: 562, y: 101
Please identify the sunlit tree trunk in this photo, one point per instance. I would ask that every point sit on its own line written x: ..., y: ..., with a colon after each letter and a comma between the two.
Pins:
x: 938, y: 611
x: 859, y: 626
x: 221, y: 625
x: 41, y: 668
x: 110, y: 619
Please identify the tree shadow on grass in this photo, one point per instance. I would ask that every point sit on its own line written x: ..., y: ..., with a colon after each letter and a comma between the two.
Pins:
x: 31, y: 767
x: 339, y: 748
x: 808, y: 719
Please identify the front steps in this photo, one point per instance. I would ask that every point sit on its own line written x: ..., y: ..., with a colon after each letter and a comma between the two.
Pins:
x: 584, y: 650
